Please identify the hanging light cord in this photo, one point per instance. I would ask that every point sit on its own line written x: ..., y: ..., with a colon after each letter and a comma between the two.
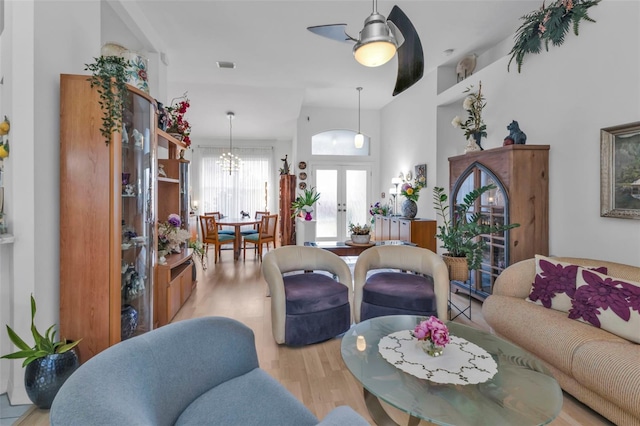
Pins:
x: 359, y: 90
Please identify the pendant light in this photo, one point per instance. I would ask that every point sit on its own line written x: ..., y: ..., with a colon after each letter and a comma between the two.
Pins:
x: 359, y: 139
x: 229, y: 162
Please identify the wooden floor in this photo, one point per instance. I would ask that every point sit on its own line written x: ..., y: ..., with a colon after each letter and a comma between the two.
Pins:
x: 315, y: 374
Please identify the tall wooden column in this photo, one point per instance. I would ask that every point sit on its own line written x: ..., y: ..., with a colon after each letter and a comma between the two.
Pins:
x: 287, y: 223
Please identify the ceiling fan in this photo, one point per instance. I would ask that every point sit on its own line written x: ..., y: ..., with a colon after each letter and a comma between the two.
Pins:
x: 379, y: 41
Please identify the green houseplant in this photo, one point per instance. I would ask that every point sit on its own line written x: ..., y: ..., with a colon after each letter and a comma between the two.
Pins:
x: 110, y: 77
x: 305, y: 202
x: 460, y: 231
x: 48, y: 363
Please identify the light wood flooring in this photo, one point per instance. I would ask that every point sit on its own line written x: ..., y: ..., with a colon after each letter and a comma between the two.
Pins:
x: 315, y: 374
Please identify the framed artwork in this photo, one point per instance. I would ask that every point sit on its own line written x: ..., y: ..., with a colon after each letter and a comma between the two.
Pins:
x: 620, y: 171
x: 421, y: 173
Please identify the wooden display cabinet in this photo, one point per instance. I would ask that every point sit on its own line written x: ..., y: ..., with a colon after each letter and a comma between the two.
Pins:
x: 520, y: 173
x: 174, y: 285
x: 107, y: 195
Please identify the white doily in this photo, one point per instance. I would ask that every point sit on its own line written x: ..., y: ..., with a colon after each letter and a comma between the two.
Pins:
x: 461, y: 362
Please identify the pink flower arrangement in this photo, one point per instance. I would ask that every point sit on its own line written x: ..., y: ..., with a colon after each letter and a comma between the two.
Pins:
x: 433, y: 330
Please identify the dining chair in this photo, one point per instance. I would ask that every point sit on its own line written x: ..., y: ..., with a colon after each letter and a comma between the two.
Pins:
x: 210, y: 235
x: 266, y: 234
x: 221, y: 230
x: 254, y: 230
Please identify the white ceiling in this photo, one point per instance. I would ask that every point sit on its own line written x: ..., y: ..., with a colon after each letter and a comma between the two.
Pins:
x: 281, y: 66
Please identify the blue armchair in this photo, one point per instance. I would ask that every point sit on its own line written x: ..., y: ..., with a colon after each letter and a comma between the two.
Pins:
x: 194, y: 372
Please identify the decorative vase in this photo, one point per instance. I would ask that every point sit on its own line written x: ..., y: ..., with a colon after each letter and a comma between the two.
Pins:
x: 360, y: 239
x: 430, y: 348
x: 128, y: 321
x: 457, y: 266
x: 478, y: 139
x: 472, y: 146
x: 136, y: 71
x: 44, y: 376
x: 308, y: 216
x: 409, y: 209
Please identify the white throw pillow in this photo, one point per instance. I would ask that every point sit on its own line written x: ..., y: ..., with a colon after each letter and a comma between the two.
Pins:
x: 608, y: 303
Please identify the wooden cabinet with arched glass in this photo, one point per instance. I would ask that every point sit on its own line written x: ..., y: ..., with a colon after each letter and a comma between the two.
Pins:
x: 520, y: 174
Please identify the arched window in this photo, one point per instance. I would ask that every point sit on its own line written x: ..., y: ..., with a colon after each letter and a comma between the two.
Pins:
x: 338, y: 142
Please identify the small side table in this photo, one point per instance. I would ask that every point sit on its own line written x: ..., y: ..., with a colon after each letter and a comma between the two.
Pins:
x: 461, y: 309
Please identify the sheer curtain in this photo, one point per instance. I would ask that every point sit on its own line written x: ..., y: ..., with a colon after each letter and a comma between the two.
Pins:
x: 244, y: 190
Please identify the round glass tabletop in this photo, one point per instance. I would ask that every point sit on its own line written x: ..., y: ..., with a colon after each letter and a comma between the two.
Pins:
x: 522, y: 392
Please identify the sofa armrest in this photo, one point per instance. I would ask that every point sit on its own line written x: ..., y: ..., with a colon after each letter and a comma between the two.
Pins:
x: 343, y: 415
x: 516, y: 280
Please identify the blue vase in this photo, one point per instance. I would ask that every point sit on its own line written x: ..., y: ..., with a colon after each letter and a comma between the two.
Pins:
x: 44, y: 376
x: 128, y: 321
x: 409, y: 209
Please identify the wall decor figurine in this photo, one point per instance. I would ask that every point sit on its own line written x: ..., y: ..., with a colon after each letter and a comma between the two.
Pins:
x: 138, y: 138
x: 285, y: 168
x: 516, y: 136
x: 466, y: 66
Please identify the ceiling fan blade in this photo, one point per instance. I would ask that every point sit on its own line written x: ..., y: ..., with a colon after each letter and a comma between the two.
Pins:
x: 334, y: 31
x: 410, y: 55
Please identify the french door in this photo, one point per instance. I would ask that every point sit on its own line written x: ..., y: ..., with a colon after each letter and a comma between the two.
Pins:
x: 343, y: 199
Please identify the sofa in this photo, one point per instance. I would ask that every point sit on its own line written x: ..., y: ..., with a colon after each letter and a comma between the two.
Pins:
x: 194, y: 372
x: 596, y: 366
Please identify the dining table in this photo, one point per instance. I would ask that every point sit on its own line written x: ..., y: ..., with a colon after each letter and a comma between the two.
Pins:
x: 237, y: 223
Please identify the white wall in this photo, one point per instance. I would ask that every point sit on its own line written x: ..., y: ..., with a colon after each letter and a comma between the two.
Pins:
x: 562, y: 98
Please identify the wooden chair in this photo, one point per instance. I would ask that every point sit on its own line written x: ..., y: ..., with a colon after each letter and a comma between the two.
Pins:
x: 256, y: 226
x: 221, y: 230
x: 210, y: 235
x: 266, y: 234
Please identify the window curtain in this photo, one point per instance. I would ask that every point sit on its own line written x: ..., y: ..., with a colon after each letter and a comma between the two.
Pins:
x: 239, y: 191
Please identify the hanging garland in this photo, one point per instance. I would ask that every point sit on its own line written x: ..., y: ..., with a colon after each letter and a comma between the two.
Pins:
x: 549, y: 24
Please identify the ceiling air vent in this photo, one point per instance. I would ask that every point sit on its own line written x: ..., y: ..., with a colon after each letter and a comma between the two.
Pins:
x: 225, y: 64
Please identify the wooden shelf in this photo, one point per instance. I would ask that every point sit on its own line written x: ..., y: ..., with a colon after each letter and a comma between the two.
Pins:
x: 168, y: 180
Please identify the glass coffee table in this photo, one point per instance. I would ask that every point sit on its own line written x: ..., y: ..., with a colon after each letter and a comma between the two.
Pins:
x: 522, y: 391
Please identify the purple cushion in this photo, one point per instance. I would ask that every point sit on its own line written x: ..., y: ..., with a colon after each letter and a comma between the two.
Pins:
x: 400, y: 290
x: 313, y: 292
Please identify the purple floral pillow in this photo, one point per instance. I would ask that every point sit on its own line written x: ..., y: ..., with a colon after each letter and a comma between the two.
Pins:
x: 608, y: 303
x: 555, y: 283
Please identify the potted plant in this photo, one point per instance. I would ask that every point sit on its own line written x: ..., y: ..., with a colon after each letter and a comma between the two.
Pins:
x: 305, y: 202
x: 48, y: 363
x: 360, y: 234
x: 460, y: 231
x: 110, y: 77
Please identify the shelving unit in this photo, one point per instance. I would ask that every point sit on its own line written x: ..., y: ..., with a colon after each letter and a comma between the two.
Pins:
x: 174, y: 285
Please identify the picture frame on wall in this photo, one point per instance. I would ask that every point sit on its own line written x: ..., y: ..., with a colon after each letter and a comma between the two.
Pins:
x: 421, y: 173
x: 620, y: 171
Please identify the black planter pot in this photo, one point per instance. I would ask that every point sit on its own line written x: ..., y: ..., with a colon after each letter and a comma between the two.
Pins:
x: 44, y: 376
x: 128, y: 321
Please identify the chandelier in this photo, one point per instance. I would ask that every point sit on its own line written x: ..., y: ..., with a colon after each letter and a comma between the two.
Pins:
x: 228, y: 161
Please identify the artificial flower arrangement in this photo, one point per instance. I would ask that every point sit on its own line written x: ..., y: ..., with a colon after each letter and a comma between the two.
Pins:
x: 434, y: 333
x: 378, y: 208
x: 411, y: 191
x: 473, y: 126
x: 170, y: 235
x: 176, y: 121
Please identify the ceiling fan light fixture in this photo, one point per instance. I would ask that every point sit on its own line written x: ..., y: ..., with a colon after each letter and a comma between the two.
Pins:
x: 376, y: 45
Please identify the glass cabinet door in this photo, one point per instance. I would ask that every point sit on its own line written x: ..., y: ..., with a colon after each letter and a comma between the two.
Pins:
x: 138, y: 227
x: 493, y: 206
